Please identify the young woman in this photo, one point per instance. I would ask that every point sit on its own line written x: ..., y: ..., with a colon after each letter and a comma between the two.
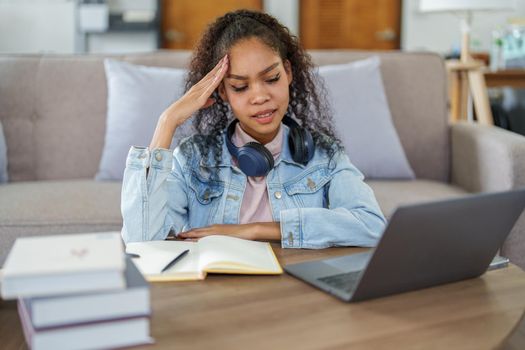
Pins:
x: 264, y: 163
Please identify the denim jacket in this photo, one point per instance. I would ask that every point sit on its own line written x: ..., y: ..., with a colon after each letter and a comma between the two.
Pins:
x: 318, y: 205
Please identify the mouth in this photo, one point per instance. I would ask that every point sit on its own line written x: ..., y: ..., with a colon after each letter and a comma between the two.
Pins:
x: 265, y: 117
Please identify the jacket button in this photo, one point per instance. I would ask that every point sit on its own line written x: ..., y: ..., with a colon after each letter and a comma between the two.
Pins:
x: 158, y: 156
x: 278, y: 194
x: 206, y: 195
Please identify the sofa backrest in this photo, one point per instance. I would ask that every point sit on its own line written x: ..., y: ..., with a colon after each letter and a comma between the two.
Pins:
x: 53, y: 109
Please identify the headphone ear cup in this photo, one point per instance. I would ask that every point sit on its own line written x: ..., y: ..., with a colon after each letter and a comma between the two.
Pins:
x: 310, y: 145
x: 295, y: 144
x: 254, y: 159
x: 301, y: 145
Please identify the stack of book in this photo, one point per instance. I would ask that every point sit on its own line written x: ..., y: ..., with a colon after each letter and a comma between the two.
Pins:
x: 77, y: 292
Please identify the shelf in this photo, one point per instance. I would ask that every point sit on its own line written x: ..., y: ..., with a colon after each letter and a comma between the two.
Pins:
x: 117, y: 24
x: 508, y: 77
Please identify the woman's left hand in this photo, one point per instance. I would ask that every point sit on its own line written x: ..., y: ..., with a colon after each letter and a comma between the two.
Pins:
x: 259, y: 230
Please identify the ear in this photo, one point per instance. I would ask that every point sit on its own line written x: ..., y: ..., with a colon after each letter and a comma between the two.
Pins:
x: 288, y: 69
x: 222, y: 92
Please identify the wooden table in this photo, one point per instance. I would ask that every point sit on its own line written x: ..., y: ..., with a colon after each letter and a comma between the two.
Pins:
x: 281, y: 312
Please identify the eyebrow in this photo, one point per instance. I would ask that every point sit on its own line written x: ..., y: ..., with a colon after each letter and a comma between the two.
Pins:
x: 264, y: 71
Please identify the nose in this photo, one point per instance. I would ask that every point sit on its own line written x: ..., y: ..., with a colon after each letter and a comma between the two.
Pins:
x: 259, y: 94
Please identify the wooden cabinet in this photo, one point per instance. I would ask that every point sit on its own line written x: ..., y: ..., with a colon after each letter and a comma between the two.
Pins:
x: 183, y: 21
x: 356, y: 24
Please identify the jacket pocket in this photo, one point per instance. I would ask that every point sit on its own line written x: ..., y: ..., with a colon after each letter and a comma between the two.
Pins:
x: 309, y: 181
x: 205, y: 191
x: 307, y: 188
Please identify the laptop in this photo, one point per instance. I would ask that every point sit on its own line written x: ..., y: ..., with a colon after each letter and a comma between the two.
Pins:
x: 423, y: 245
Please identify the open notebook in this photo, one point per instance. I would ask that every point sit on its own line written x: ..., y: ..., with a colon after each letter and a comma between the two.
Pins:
x: 212, y: 254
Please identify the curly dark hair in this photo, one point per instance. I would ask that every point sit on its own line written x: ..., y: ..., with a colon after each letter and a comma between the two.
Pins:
x: 307, y: 93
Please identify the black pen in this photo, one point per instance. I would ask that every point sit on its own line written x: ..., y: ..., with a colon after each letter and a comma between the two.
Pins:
x: 177, y: 258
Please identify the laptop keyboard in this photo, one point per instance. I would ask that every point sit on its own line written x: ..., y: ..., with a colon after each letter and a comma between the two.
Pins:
x: 343, y: 281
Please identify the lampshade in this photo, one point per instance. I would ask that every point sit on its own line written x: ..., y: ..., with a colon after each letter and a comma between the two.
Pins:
x: 465, y: 5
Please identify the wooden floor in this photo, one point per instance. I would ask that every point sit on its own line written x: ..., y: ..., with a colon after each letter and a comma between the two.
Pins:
x: 280, y: 312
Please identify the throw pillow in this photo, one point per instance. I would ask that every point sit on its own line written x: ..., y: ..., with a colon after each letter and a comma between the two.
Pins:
x: 3, y: 157
x: 363, y: 119
x: 137, y: 96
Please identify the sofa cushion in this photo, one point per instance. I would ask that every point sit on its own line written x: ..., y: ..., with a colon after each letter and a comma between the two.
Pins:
x: 363, y: 120
x: 419, y: 108
x: 393, y: 193
x: 137, y: 96
x: 52, y: 207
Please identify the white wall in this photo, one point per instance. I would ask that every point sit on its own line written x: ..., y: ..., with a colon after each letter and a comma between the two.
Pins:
x: 33, y: 26
x: 28, y: 26
x: 286, y: 11
x: 440, y: 32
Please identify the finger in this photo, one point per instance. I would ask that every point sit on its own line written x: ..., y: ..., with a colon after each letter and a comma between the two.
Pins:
x: 201, y: 229
x: 221, y: 73
x: 220, y: 65
x: 213, y: 229
x: 192, y: 233
x: 212, y: 79
x: 216, y: 81
x: 218, y: 72
x: 212, y: 74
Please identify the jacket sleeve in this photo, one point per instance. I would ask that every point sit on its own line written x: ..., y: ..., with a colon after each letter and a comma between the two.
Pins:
x: 152, y: 205
x: 353, y: 216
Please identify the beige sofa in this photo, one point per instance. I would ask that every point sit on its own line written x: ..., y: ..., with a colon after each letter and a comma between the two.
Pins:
x: 53, y: 110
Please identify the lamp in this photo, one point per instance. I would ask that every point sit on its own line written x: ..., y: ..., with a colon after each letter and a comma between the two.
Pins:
x: 467, y: 73
x: 464, y: 9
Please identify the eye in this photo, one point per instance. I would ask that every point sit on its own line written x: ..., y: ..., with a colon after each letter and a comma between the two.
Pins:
x: 239, y: 89
x: 274, y: 79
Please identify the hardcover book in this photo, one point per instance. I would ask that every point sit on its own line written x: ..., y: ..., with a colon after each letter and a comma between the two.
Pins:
x: 62, y: 310
x: 64, y: 264
x: 91, y: 335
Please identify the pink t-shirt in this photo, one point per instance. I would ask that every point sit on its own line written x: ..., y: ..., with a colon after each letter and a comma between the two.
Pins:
x: 255, y: 206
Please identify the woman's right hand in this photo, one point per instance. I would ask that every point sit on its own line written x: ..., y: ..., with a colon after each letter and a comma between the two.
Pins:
x: 197, y: 97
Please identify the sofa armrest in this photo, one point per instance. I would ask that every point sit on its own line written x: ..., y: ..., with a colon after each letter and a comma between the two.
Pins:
x: 487, y: 158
